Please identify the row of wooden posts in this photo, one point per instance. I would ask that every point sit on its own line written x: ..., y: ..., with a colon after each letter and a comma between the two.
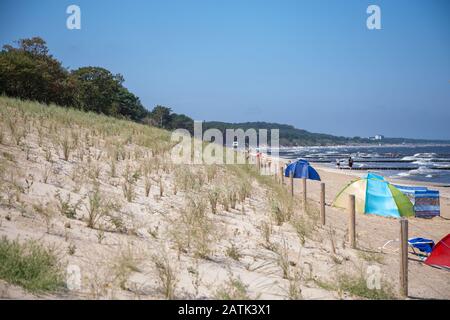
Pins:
x: 352, y: 223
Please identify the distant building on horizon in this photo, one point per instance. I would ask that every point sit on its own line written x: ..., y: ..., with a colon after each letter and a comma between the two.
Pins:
x: 377, y: 137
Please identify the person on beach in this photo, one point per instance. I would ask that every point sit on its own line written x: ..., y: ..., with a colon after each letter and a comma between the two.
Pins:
x: 350, y: 163
x: 338, y: 163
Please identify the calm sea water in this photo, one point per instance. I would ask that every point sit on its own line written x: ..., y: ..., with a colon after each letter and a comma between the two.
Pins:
x: 423, y: 163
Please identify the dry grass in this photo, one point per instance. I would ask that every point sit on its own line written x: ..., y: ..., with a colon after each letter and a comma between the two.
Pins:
x: 98, y: 207
x: 108, y: 172
x: 232, y: 289
x: 213, y: 197
x: 194, y: 230
x: 66, y: 207
x: 167, y: 278
x: 233, y: 252
x: 129, y: 181
x: 357, y: 286
x: 125, y: 263
x: 47, y: 212
x: 371, y: 256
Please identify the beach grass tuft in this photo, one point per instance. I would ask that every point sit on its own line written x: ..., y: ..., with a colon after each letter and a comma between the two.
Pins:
x: 30, y: 265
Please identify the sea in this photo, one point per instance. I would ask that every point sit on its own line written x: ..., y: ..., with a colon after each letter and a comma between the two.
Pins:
x: 428, y: 163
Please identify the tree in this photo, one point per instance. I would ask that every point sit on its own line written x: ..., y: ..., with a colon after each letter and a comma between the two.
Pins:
x: 99, y: 89
x: 130, y: 106
x: 102, y: 91
x: 162, y: 116
x: 35, y: 46
x: 29, y: 72
x: 181, y: 121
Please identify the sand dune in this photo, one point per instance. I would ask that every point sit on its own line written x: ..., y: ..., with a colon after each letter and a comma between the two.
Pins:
x: 104, y: 195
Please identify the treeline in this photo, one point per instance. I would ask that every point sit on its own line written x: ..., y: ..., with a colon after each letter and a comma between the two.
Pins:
x: 29, y: 71
x: 289, y: 135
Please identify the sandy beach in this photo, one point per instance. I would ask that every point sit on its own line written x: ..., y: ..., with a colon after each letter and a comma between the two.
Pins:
x: 341, y: 177
x: 144, y: 154
x: 111, y: 204
x: 374, y: 231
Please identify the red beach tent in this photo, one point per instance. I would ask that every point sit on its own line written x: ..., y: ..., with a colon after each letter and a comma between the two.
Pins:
x: 440, y: 256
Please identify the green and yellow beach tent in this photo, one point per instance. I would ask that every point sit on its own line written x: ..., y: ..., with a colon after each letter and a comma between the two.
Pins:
x: 375, y: 195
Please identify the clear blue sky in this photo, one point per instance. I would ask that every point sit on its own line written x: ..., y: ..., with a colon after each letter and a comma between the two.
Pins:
x: 312, y: 64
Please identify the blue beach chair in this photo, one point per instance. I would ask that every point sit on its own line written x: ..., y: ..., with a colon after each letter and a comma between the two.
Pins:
x: 422, y: 244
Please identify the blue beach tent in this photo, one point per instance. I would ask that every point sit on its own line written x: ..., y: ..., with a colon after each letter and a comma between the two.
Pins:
x: 302, y: 169
x: 374, y: 195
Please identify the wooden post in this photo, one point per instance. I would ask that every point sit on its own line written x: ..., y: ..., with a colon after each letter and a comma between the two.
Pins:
x: 351, y: 221
x: 404, y: 257
x: 304, y: 193
x: 291, y: 180
x: 322, y: 203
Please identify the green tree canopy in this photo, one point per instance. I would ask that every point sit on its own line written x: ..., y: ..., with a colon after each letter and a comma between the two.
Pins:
x: 98, y: 89
x: 130, y: 106
x: 181, y: 121
x: 29, y: 72
x: 162, y: 116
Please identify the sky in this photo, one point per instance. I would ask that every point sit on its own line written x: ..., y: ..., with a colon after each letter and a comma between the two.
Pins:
x: 313, y: 64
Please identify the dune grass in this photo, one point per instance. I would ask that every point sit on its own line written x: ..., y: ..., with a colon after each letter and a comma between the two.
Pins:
x: 356, y: 285
x: 30, y: 265
x: 53, y: 118
x: 232, y: 289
